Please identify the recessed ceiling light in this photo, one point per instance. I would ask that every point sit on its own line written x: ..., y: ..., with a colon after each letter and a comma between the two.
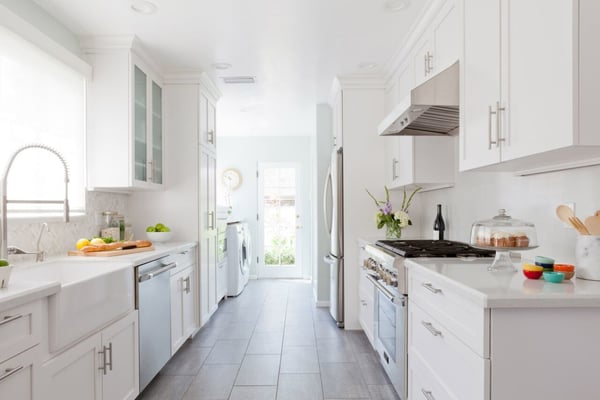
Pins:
x: 395, y: 5
x: 238, y: 79
x: 143, y: 7
x: 367, y: 65
x: 221, y: 66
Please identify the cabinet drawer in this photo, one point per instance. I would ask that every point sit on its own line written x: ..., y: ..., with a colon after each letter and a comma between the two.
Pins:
x: 467, y: 321
x: 183, y: 259
x: 18, y: 376
x: 423, y: 384
x: 366, y: 286
x: 20, y: 329
x: 457, y: 367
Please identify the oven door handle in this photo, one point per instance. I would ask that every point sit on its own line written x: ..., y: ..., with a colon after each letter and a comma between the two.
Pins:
x: 156, y: 272
x: 384, y: 291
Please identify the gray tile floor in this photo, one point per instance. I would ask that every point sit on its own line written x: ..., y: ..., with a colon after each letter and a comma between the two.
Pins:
x: 271, y: 342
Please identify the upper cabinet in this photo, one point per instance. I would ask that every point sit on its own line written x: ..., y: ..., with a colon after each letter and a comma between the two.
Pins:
x: 529, y: 85
x: 208, y: 127
x: 438, y: 47
x: 125, y: 134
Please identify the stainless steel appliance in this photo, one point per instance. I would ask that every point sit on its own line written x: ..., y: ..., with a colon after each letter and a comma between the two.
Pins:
x: 333, y: 211
x: 153, y: 301
x: 385, y: 265
x: 430, y: 109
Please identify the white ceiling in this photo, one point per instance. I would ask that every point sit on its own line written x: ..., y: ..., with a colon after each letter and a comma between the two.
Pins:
x: 294, y: 48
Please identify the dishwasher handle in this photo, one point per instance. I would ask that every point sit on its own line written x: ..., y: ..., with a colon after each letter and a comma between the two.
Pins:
x: 157, y: 272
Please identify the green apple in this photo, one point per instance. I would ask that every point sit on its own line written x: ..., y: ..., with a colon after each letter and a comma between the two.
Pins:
x: 166, y: 229
x: 159, y: 226
x: 4, y: 263
x: 150, y: 229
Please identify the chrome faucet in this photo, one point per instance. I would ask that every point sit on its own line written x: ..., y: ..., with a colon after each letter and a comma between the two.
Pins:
x: 40, y: 255
x: 4, y: 249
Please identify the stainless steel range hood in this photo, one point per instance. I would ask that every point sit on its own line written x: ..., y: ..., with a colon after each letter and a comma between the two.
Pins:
x: 430, y: 109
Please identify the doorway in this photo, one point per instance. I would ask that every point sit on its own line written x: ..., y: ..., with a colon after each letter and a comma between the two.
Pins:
x: 279, y: 220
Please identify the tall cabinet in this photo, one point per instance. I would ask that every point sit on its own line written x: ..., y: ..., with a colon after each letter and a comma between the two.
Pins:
x: 190, y: 119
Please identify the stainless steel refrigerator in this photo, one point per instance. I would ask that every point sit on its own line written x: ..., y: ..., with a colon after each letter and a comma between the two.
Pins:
x: 333, y: 210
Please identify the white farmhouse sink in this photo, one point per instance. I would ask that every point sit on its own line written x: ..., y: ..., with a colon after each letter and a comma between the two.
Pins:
x: 92, y: 295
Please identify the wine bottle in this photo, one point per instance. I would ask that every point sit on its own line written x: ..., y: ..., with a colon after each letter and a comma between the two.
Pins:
x: 438, y: 225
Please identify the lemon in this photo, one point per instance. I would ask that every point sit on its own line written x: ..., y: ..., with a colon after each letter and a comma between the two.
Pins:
x: 96, y: 241
x: 82, y: 242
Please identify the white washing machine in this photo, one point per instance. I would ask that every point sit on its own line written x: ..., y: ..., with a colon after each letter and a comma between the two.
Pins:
x: 238, y: 257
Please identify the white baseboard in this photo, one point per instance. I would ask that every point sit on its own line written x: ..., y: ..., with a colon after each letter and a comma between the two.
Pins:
x: 253, y: 277
x: 322, y: 303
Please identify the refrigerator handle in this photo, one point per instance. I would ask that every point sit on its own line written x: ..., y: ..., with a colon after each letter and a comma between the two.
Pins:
x: 325, y: 193
x: 329, y: 260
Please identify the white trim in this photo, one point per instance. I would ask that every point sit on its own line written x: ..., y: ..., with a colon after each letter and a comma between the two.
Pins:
x: 194, y: 77
x: 29, y: 32
x: 559, y: 167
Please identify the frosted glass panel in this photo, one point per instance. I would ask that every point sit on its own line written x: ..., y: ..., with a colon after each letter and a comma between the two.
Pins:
x: 140, y: 115
x: 157, y: 171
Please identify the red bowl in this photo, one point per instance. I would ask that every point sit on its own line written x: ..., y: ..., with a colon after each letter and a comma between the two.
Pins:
x: 533, y: 274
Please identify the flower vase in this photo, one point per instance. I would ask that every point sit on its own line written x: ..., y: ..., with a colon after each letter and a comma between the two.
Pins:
x: 393, y: 232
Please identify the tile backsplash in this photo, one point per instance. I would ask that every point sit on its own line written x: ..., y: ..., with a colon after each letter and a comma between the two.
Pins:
x: 62, y: 236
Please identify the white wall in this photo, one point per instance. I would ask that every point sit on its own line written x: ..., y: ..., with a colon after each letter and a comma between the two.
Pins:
x: 244, y: 154
x: 479, y: 195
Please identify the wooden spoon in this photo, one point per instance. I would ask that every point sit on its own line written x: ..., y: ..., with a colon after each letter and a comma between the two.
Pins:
x: 593, y: 224
x: 565, y: 214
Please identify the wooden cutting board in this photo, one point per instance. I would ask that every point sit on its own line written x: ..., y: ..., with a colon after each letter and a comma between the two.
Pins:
x: 109, y: 253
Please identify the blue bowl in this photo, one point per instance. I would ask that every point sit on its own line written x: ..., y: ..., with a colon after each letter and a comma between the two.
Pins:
x: 546, y: 262
x: 554, y: 277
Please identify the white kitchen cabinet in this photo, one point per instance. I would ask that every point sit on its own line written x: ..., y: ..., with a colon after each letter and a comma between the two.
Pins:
x: 424, y: 161
x: 208, y: 129
x: 183, y: 307
x: 208, y: 236
x: 221, y: 280
x: 459, y: 349
x: 125, y: 118
x: 439, y: 46
x: 20, y: 329
x: 522, y: 108
x: 19, y: 375
x: 102, y: 366
x: 366, y: 314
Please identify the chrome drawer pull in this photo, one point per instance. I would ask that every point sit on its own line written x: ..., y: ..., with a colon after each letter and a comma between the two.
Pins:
x: 106, y: 365
x: 10, y: 318
x: 10, y: 371
x: 432, y: 289
x: 428, y: 395
x: 431, y: 329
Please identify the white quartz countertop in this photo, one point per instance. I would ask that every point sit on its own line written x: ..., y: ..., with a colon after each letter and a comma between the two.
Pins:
x: 25, y: 286
x: 507, y: 290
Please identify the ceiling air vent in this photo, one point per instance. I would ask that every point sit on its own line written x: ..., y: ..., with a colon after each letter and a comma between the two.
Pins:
x: 239, y: 79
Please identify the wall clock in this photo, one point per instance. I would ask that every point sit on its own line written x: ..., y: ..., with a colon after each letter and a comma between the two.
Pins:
x: 231, y: 178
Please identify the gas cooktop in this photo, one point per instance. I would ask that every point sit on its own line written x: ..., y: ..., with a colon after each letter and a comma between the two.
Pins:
x: 432, y: 248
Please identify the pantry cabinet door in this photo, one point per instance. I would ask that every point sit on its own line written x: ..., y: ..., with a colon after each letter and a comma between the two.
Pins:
x: 479, y: 83
x: 538, y: 48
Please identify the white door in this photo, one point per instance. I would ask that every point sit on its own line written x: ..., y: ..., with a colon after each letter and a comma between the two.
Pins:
x: 279, y: 220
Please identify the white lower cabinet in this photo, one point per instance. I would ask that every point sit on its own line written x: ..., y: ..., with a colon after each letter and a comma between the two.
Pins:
x: 366, y: 313
x: 103, y: 366
x: 18, y: 376
x: 183, y: 310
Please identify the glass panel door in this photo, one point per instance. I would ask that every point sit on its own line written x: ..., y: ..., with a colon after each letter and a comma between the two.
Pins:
x: 386, y: 324
x: 140, y: 125
x: 157, y: 134
x: 279, y: 221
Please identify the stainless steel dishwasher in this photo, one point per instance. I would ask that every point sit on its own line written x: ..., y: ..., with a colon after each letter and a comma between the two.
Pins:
x: 153, y: 301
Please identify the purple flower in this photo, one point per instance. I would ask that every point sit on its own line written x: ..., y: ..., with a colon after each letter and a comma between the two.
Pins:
x: 387, y: 209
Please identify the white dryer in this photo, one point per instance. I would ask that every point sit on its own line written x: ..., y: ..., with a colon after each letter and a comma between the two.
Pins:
x: 238, y: 257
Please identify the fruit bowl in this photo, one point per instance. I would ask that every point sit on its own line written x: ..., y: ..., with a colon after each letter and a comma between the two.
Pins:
x: 159, y: 236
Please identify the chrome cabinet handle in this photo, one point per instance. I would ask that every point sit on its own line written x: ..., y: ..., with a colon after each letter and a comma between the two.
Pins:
x: 211, y: 220
x: 429, y: 57
x: 425, y: 64
x: 10, y: 371
x: 499, y: 109
x: 431, y: 288
x: 431, y: 329
x: 428, y: 394
x: 10, y: 318
x: 187, y: 285
x: 149, y: 171
x: 210, y: 137
x: 107, y: 355
x: 394, y: 171
x: 490, y: 141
